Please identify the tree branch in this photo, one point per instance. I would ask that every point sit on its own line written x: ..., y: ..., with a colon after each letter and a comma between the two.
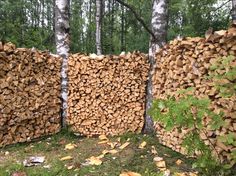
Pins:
x: 137, y: 17
x: 222, y: 5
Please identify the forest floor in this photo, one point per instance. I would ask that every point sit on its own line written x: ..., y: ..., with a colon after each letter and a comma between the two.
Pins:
x: 136, y: 155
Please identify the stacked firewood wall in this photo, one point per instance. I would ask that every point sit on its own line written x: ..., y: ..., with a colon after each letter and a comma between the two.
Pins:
x: 185, y: 63
x: 107, y: 93
x: 29, y: 94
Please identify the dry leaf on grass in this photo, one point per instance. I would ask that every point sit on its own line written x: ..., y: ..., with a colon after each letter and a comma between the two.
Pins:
x: 94, y: 161
x: 160, y: 163
x: 66, y: 158
x: 103, y: 137
x: 142, y: 145
x: 70, y: 146
x: 124, y: 145
x: 113, y: 151
x: 112, y: 144
x: 178, y: 162
x: 154, y: 151
x: 130, y: 174
x: 103, y: 142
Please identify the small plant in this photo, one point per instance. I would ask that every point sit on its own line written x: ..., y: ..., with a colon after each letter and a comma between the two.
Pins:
x: 223, y: 73
x: 189, y: 112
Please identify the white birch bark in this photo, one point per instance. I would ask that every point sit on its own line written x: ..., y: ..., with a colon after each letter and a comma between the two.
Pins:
x: 98, y: 26
x: 234, y: 11
x: 62, y: 45
x: 159, y: 23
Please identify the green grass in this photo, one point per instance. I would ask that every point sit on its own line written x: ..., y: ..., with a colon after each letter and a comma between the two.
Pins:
x: 129, y: 159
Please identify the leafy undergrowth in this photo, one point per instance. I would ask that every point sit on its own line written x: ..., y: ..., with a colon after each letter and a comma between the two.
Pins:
x: 130, y: 158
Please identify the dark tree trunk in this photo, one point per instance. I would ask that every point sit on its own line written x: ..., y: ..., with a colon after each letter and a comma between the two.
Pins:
x: 234, y: 11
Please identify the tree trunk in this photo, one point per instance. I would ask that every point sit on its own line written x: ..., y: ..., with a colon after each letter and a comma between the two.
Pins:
x: 159, y: 29
x: 62, y: 45
x: 234, y: 11
x: 98, y: 26
x: 122, y: 29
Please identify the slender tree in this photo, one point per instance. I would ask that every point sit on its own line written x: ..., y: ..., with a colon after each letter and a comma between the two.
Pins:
x: 98, y: 26
x: 234, y: 11
x: 159, y: 23
x: 62, y: 43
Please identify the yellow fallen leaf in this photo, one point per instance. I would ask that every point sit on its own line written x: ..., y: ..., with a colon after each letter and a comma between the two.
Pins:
x: 103, y: 137
x: 154, y: 150
x: 124, y: 145
x: 94, y: 161
x: 180, y: 174
x: 112, y: 144
x: 104, y: 152
x: 130, y: 174
x: 113, y: 151
x: 118, y: 139
x: 178, y: 162
x: 70, y: 146
x: 103, y: 142
x: 100, y: 156
x: 160, y: 163
x: 142, y: 145
x: 66, y: 158
x: 70, y: 167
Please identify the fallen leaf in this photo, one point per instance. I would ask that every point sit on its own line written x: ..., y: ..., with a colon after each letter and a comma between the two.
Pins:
x: 112, y: 144
x: 124, y: 145
x: 113, y: 151
x: 70, y: 167
x: 130, y: 174
x: 103, y: 142
x: 104, y: 152
x: 154, y: 150
x: 103, y: 137
x: 70, y: 146
x: 47, y: 166
x: 142, y: 145
x: 160, y: 163
x: 66, y: 158
x: 94, y: 161
x: 178, y: 162
x: 180, y: 174
x: 166, y: 172
x: 101, y: 156
x: 19, y: 174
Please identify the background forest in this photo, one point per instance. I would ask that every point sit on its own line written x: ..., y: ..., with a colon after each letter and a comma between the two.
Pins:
x: 29, y: 23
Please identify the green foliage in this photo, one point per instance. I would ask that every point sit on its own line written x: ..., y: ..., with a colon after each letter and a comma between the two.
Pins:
x: 223, y: 73
x: 31, y: 23
x: 188, y: 112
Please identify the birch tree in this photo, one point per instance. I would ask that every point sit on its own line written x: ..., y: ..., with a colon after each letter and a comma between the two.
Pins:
x: 62, y: 43
x: 234, y: 11
x: 98, y: 26
x: 159, y: 29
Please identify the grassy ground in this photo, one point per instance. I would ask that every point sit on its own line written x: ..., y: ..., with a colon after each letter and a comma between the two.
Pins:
x: 130, y: 158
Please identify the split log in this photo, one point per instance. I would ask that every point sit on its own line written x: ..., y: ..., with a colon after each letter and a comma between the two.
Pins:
x: 29, y: 94
x: 107, y: 93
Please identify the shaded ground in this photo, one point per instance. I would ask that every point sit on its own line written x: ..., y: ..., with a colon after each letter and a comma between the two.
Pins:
x: 130, y: 158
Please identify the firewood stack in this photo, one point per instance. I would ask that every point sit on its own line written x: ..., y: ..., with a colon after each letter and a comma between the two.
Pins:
x: 107, y: 93
x: 186, y: 63
x: 29, y: 94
